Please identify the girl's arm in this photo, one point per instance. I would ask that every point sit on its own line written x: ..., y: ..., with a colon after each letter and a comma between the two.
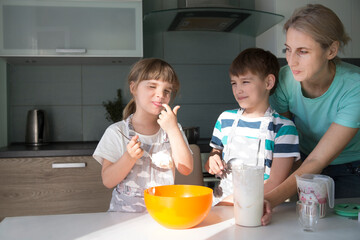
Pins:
x: 329, y: 147
x: 113, y: 173
x: 280, y: 170
x: 181, y: 154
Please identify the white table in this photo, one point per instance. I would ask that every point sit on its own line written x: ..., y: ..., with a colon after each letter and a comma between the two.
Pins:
x: 219, y: 224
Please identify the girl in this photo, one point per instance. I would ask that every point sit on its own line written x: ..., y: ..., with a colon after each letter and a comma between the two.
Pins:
x: 151, y: 136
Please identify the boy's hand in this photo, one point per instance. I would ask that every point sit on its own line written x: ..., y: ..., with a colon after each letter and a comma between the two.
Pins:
x: 167, y: 118
x: 133, y: 148
x: 214, y: 165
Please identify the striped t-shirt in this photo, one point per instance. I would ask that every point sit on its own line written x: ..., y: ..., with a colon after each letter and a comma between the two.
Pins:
x: 281, y: 138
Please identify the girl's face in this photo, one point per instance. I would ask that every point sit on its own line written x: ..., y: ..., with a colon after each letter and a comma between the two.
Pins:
x: 308, y: 61
x: 250, y: 91
x: 151, y: 94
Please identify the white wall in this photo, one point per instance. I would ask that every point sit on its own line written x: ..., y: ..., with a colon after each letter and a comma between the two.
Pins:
x: 347, y: 11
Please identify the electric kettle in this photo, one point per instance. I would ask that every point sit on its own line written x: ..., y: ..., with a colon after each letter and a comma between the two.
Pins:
x: 37, y: 128
x: 318, y: 188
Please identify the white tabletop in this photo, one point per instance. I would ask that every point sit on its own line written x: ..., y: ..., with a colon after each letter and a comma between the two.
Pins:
x: 219, y: 224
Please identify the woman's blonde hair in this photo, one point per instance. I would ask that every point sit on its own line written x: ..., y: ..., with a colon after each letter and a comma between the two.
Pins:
x: 321, y: 23
x: 147, y: 69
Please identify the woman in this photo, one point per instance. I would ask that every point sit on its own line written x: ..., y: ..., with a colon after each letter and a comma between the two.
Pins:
x: 322, y: 95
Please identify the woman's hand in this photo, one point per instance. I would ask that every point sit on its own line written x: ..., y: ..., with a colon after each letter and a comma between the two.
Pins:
x: 133, y: 148
x: 266, y: 218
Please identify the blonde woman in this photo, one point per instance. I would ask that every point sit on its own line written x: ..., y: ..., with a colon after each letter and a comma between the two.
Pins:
x: 322, y: 94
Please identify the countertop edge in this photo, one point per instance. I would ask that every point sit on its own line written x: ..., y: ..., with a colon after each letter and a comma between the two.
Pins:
x: 58, y: 149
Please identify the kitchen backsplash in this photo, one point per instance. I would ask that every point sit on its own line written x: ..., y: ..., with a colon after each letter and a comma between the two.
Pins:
x: 72, y: 95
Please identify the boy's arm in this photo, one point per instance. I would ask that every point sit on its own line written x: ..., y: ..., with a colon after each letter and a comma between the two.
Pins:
x: 280, y: 170
x: 214, y: 164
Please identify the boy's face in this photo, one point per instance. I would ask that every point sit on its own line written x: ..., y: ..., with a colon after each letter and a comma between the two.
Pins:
x: 251, y: 91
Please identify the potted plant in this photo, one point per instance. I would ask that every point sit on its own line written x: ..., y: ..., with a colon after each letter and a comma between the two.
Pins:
x: 114, y: 109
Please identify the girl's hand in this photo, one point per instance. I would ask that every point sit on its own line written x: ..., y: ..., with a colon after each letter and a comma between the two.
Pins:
x: 167, y: 118
x: 133, y: 148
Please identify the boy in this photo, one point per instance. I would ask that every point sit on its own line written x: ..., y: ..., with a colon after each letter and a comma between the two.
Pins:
x: 254, y: 133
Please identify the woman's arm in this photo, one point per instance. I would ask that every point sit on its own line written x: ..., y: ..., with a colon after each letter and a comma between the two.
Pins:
x: 280, y: 170
x: 287, y: 115
x: 113, y: 173
x: 329, y: 147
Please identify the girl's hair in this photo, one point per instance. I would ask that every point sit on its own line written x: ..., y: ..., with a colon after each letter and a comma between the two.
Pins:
x: 258, y: 62
x: 321, y: 23
x: 148, y: 69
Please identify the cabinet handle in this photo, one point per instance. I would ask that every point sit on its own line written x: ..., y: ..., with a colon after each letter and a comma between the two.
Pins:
x: 68, y: 165
x: 71, y: 50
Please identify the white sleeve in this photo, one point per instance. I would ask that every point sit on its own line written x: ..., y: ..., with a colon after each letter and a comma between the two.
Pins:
x: 111, y: 145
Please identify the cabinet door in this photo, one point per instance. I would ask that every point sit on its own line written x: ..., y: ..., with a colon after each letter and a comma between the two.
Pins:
x: 71, y: 28
x: 51, y: 185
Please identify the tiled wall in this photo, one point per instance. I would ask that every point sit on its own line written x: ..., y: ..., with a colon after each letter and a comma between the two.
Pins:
x: 72, y: 95
x: 201, y: 61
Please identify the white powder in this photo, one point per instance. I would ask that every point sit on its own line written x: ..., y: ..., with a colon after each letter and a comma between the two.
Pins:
x: 162, y: 160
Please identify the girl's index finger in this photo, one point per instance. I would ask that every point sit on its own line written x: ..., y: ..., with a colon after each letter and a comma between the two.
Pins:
x: 167, y: 107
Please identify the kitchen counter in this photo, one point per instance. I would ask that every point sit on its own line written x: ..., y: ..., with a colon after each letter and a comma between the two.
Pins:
x: 49, y: 150
x: 57, y: 149
x: 219, y: 224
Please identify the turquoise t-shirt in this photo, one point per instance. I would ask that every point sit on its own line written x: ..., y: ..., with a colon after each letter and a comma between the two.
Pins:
x: 312, y: 117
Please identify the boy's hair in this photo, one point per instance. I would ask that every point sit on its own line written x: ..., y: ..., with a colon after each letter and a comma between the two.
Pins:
x: 148, y: 69
x: 258, y: 62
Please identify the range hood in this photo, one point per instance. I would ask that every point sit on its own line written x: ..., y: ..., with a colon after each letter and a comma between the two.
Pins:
x: 210, y: 16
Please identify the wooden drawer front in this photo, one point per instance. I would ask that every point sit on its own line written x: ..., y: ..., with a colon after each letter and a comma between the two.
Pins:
x: 30, y: 186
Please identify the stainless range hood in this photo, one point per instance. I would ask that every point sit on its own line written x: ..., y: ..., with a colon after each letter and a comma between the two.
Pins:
x: 210, y: 15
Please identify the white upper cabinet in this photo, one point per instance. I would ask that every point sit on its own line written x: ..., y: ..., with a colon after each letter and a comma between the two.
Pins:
x: 71, y: 28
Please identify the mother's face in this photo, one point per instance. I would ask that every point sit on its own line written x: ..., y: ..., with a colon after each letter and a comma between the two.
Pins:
x: 308, y: 61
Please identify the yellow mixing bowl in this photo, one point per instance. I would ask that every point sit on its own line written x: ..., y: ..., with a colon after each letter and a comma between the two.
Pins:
x: 178, y: 206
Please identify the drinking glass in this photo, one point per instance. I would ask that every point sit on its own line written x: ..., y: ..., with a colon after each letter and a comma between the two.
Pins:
x: 248, y: 184
x: 308, y: 214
